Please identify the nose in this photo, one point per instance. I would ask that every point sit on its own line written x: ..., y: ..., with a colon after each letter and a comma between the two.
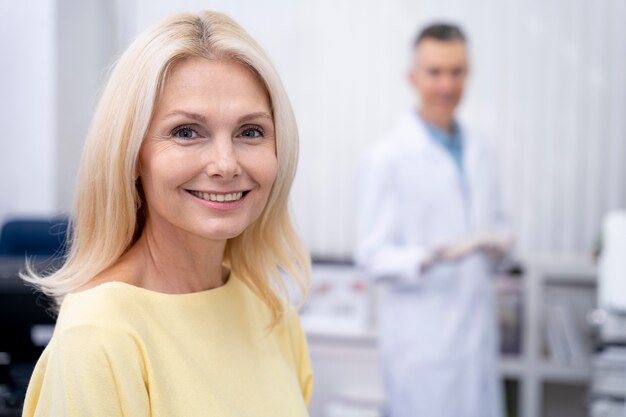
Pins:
x: 222, y: 159
x: 447, y: 83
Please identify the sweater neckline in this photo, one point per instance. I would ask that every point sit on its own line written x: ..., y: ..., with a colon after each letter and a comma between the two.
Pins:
x: 124, y: 286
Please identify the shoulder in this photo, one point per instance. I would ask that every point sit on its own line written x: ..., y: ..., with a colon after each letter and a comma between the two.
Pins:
x: 89, y: 358
x: 290, y: 322
x: 109, y: 306
x: 257, y: 313
x: 291, y: 337
x: 94, y: 333
x: 99, y: 325
x: 477, y: 137
x: 295, y: 351
x: 405, y: 139
x: 293, y: 343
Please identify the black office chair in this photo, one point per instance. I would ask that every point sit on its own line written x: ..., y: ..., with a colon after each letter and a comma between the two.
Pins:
x: 43, y: 243
x: 33, y: 237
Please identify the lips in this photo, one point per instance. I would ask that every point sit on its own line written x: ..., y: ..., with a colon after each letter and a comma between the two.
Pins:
x: 219, y: 197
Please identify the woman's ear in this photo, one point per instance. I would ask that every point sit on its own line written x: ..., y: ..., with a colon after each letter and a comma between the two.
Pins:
x: 137, y: 170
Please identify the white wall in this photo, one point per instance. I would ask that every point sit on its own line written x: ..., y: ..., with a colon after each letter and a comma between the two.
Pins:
x: 85, y: 46
x: 27, y: 117
x: 551, y: 86
x: 54, y: 55
x: 548, y: 83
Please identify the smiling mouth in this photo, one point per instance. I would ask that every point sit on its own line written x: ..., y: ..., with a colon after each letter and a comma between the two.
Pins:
x: 220, y: 198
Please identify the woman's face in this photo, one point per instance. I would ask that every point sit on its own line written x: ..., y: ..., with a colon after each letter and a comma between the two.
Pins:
x: 208, y: 161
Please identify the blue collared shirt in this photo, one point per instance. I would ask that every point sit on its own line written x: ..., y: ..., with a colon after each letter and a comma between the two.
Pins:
x: 452, y: 143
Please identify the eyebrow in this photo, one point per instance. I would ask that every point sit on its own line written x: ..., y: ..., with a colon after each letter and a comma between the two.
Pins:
x: 200, y: 118
x: 253, y: 116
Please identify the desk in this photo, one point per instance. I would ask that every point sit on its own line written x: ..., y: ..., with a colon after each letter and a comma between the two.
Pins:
x: 21, y: 308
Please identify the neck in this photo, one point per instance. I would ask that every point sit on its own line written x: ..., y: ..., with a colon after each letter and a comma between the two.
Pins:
x: 443, y: 122
x: 175, y: 261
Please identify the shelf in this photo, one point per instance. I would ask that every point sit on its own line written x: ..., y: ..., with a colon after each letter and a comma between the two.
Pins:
x: 581, y: 279
x: 566, y: 270
x: 513, y: 367
x: 555, y: 372
x: 346, y: 335
x: 516, y: 368
x: 538, y: 379
x: 543, y: 275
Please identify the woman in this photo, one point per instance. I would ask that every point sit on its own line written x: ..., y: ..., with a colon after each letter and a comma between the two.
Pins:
x: 170, y: 298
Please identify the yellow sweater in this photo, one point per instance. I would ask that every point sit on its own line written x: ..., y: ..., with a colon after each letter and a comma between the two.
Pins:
x: 120, y: 350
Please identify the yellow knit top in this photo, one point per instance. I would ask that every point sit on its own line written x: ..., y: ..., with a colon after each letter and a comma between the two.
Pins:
x: 121, y: 350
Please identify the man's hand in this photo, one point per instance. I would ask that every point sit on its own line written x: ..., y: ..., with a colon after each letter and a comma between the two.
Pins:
x: 492, y: 243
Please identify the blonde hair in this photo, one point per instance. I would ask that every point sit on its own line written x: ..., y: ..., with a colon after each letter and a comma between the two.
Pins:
x: 107, y: 216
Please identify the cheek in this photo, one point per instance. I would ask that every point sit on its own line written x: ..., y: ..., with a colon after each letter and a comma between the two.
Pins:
x: 164, y: 162
x: 161, y: 175
x: 428, y: 88
x: 268, y: 170
x: 261, y: 164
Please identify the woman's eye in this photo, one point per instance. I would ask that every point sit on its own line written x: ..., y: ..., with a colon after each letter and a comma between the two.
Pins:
x: 252, y: 132
x: 185, y: 133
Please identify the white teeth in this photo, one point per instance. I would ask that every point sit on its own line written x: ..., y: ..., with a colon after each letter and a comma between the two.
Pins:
x: 218, y: 197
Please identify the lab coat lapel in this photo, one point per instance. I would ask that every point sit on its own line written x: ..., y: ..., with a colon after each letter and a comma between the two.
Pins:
x: 426, y: 144
x: 443, y: 164
x: 477, y: 179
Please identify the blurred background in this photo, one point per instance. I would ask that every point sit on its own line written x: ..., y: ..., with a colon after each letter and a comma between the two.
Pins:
x: 547, y: 85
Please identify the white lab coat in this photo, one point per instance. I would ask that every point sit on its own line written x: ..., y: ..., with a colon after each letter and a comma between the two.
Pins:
x: 438, y: 329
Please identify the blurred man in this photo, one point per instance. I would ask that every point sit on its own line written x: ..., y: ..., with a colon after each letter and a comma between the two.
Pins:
x: 429, y: 223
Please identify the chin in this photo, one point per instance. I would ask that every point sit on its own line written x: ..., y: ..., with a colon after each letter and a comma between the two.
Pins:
x: 447, y: 113
x: 223, y: 232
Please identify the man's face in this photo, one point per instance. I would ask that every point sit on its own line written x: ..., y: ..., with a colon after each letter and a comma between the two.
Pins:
x: 438, y: 75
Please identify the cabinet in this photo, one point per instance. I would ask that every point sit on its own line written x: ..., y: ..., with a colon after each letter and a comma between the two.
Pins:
x: 345, y: 358
x: 535, y: 368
